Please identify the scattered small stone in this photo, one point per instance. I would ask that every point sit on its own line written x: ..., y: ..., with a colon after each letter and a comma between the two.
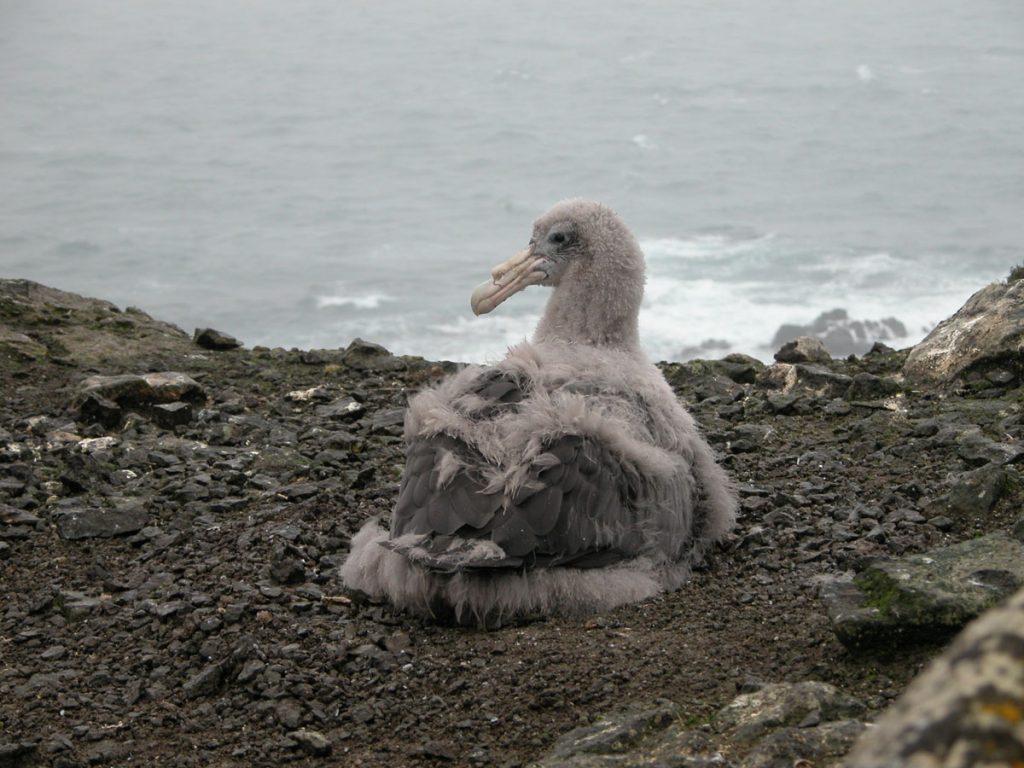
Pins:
x: 204, y: 682
x: 299, y: 491
x: 289, y: 713
x: 312, y: 742
x: 53, y: 653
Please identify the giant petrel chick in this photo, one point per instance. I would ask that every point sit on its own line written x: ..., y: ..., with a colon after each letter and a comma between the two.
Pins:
x: 566, y: 479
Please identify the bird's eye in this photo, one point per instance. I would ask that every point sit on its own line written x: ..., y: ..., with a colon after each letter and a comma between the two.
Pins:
x: 557, y: 237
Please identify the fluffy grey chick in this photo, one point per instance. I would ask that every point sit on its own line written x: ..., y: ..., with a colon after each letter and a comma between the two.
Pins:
x: 567, y: 479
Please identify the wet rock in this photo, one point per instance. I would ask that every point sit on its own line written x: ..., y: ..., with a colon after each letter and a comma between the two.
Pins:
x: 75, y: 605
x: 924, y: 597
x: 803, y: 349
x: 965, y: 709
x: 312, y: 742
x: 209, y: 338
x: 987, y: 332
x: 101, y: 523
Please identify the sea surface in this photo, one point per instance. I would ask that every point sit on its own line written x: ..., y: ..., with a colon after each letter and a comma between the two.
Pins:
x: 301, y: 173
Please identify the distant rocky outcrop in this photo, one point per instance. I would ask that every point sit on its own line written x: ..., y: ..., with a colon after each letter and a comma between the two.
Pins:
x: 841, y: 335
x: 38, y: 322
x: 982, y: 344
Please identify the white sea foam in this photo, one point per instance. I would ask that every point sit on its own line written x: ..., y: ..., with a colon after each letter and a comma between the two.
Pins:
x: 643, y: 141
x: 367, y: 301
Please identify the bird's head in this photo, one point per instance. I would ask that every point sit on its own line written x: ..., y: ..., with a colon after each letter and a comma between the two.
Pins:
x: 574, y: 236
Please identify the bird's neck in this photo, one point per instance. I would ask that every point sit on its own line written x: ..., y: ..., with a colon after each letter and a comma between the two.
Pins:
x: 597, y: 312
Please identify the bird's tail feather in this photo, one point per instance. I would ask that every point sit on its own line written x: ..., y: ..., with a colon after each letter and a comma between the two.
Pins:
x: 495, y: 598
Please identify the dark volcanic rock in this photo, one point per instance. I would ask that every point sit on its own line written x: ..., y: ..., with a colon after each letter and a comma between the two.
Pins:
x: 975, y: 493
x: 93, y: 408
x: 101, y: 523
x: 128, y: 390
x: 803, y: 349
x: 208, y: 338
x: 365, y: 355
x: 204, y: 682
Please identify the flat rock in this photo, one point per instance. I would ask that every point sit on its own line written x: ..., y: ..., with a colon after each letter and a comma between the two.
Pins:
x: 101, y: 523
x: 924, y: 596
x: 987, y: 332
x: 777, y: 725
x: 965, y: 709
x: 145, y: 389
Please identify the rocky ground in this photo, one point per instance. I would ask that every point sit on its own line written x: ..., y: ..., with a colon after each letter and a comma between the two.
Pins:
x: 169, y: 549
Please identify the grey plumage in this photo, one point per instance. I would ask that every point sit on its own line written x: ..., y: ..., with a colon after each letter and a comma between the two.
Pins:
x: 565, y: 479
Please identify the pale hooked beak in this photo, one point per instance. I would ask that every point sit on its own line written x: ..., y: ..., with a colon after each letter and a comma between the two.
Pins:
x: 519, y: 272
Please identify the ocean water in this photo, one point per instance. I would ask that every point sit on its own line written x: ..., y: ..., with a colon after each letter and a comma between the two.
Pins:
x: 298, y: 174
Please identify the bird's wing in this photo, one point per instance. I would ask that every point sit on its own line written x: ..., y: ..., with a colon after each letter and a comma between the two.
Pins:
x: 573, y: 509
